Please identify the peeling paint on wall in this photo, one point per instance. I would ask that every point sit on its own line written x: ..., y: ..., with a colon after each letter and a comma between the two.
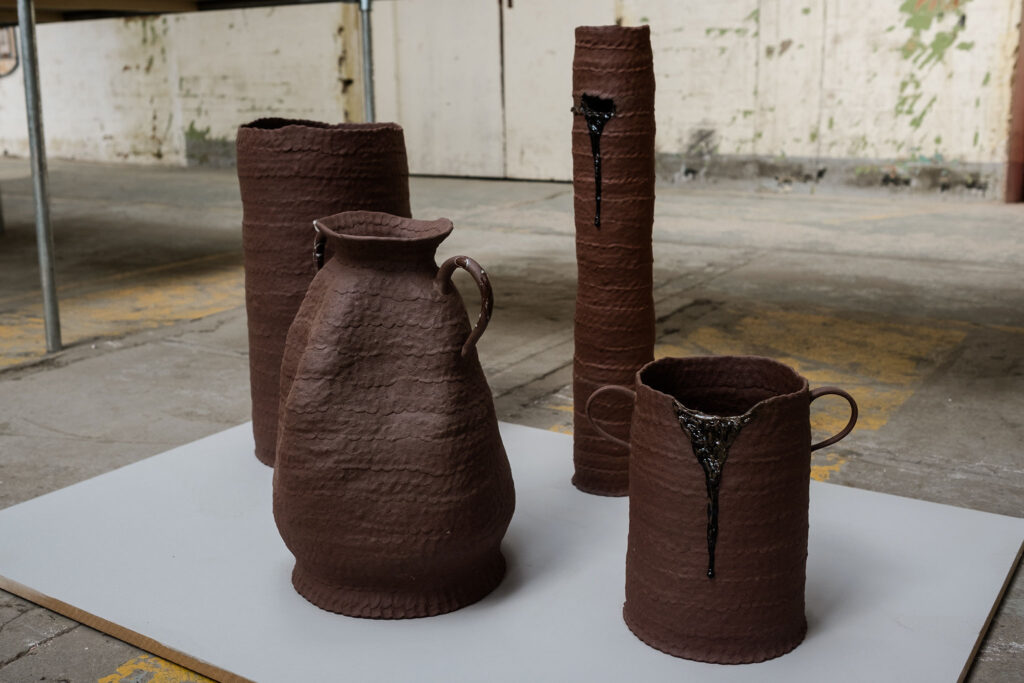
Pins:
x: 173, y: 89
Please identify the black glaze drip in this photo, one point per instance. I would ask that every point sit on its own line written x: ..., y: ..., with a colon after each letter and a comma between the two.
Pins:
x: 597, y: 111
x: 711, y: 437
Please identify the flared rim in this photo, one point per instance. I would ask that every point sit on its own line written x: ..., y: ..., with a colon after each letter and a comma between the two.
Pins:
x: 789, y: 386
x: 275, y: 124
x: 374, y: 227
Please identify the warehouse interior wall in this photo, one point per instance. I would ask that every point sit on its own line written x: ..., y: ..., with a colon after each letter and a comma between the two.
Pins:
x: 172, y: 89
x: 875, y: 93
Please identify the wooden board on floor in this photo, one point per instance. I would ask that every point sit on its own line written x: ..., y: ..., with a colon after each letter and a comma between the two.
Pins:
x: 179, y: 555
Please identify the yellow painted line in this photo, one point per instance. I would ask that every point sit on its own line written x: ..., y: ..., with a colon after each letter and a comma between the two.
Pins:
x: 824, y: 470
x: 880, y: 363
x: 561, y: 429
x: 93, y: 283
x: 562, y: 407
x: 153, y: 298
x: 158, y: 670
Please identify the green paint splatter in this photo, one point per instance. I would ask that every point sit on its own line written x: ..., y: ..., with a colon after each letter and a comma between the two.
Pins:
x: 753, y: 16
x: 920, y: 18
x: 747, y: 112
x: 938, y: 139
x: 813, y: 137
x: 197, y: 134
x: 805, y: 10
x: 988, y: 77
x: 831, y: 122
x: 937, y: 49
x: 916, y: 121
x: 911, y: 81
x: 943, y: 20
x: 975, y: 138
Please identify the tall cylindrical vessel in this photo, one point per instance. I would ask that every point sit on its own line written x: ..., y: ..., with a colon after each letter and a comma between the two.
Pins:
x: 613, y: 181
x: 291, y: 172
x: 719, y: 468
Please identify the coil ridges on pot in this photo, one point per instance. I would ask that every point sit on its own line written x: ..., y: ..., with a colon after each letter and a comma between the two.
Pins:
x: 292, y: 171
x: 614, y: 318
x: 372, y: 604
x: 706, y: 650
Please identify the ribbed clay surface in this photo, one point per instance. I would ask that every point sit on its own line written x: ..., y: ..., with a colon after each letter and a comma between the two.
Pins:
x: 753, y: 609
x: 289, y: 173
x: 392, y: 487
x: 614, y: 321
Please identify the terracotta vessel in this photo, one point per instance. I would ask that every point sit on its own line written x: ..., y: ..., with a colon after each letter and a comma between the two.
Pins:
x: 289, y: 173
x: 613, y: 181
x: 718, y: 499
x: 392, y: 487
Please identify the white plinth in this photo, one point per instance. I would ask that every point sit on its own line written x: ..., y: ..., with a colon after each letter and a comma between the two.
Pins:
x: 179, y: 554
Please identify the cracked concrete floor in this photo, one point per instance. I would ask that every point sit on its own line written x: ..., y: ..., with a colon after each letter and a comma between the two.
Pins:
x: 914, y: 304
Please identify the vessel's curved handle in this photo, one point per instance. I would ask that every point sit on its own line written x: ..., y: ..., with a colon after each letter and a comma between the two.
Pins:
x: 825, y: 391
x: 593, y: 422
x: 444, y: 283
x: 319, y: 245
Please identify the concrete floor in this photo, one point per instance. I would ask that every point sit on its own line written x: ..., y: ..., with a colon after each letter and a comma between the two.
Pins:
x: 915, y: 305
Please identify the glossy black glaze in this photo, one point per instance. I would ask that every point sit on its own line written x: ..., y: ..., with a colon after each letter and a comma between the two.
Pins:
x: 597, y: 111
x: 711, y: 436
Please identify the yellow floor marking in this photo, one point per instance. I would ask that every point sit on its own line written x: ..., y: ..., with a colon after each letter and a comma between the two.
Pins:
x: 833, y: 463
x: 561, y: 429
x: 137, y: 274
x: 160, y: 672
x: 880, y: 363
x: 563, y: 408
x: 154, y: 298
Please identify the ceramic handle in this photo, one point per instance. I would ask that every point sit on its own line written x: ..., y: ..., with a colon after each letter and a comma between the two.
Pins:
x: 825, y: 391
x: 444, y: 280
x: 590, y: 418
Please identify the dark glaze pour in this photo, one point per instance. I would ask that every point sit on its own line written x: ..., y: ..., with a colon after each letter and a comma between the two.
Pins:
x: 597, y: 111
x: 711, y: 436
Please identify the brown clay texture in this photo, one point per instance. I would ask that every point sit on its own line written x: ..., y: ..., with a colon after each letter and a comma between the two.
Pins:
x: 614, y: 321
x: 753, y: 609
x: 289, y: 173
x: 392, y: 487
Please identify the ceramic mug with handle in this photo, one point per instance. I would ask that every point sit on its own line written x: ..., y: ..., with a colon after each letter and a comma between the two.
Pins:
x: 720, y: 456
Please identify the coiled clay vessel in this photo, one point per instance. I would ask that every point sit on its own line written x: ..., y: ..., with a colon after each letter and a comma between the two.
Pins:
x: 291, y: 172
x: 718, y: 506
x: 392, y: 487
x: 613, y: 182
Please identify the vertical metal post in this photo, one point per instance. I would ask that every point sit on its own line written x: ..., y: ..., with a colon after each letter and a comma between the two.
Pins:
x: 34, y: 108
x: 368, y: 113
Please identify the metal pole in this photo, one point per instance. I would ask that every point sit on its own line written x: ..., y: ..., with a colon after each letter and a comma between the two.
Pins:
x: 368, y: 113
x: 34, y: 108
